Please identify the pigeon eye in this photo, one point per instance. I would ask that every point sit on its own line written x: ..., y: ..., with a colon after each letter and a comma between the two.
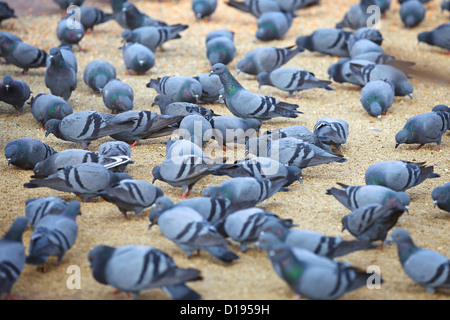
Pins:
x: 263, y: 241
x: 439, y: 196
x: 268, y: 229
x: 91, y: 258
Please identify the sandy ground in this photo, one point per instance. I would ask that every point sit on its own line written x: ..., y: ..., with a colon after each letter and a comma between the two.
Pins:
x: 252, y: 276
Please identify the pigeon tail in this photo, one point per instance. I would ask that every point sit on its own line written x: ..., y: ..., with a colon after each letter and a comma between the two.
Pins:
x: 222, y: 253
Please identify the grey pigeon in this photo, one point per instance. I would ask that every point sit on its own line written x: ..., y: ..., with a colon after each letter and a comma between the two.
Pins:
x: 91, y: 17
x: 148, y: 125
x: 214, y: 210
x: 65, y: 4
x: 72, y: 157
x: 266, y: 59
x: 342, y: 71
x: 190, y: 231
x: 14, y: 92
x: 25, y: 153
x: 203, y: 8
x: 179, y: 148
x: 195, y: 128
x: 372, y: 222
x: 86, y: 126
x: 69, y: 56
x: 21, y: 54
x: 134, y: 268
x: 245, y: 192
x: 231, y: 129
x: 371, y: 34
x: 85, y: 180
x: 118, y: 12
x: 246, y: 104
x: 134, y: 18
x: 153, y: 37
x: 183, y: 171
x: 70, y: 31
x: 48, y: 106
x: 313, y: 279
x: 98, y: 73
x: 131, y: 195
x: 137, y: 58
x: 329, y: 41
x: 177, y: 88
x: 439, y: 36
x: 12, y: 256
x: 399, y: 175
x: 292, y: 80
x: 273, y: 25
x: 377, y: 97
x: 441, y: 197
x: 424, y: 128
x: 245, y: 226
x: 210, y: 87
x: 6, y: 12
x: 255, y: 7
x: 354, y: 197
x: 114, y: 149
x: 426, y: 267
x: 118, y: 96
x: 179, y: 108
x: 54, y: 235
x: 412, y: 13
x: 38, y: 208
x: 60, y: 77
x: 356, y: 17
x: 220, y: 48
x: 332, y: 131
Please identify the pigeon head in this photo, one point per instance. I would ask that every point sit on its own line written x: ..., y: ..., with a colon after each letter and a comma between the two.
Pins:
x: 404, y: 88
x: 267, y: 241
x: 263, y: 79
x: 294, y: 174
x: 119, y: 176
x: 401, y: 237
x: 375, y: 109
x: 161, y: 204
x: 17, y: 229
x: 156, y: 174
x: 7, y: 81
x: 277, y: 229
x: 280, y: 252
x: 15, y: 153
x: 73, y: 209
x: 98, y: 258
x: 52, y: 126
x: 441, y: 197
x: 216, y: 192
x: 100, y: 82
x: 161, y: 100
x: 403, y: 136
x: 266, y: 32
x: 127, y: 35
x: 425, y: 37
x: 305, y: 42
x: 441, y: 108
x: 335, y: 72
x: 246, y: 65
x: 127, y: 6
x: 219, y: 69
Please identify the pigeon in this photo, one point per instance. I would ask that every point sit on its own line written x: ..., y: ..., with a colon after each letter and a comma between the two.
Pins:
x: 118, y: 96
x: 148, y: 125
x: 399, y: 175
x: 85, y: 180
x: 21, y: 54
x: 377, y: 97
x: 65, y: 4
x: 37, y: 208
x: 54, y: 235
x: 354, y: 197
x: 331, y: 131
x: 91, y: 17
x: 266, y: 59
x: 153, y: 37
x: 177, y: 88
x: 214, y: 210
x: 356, y: 48
x: 12, y: 256
x: 6, y: 12
x: 98, y: 73
x: 15, y: 93
x: 134, y: 268
x: 412, y: 13
x: 220, y: 49
x: 195, y: 128
x: 48, y: 106
x: 372, y: 222
x: 293, y: 152
x: 357, y: 16
x: 426, y: 267
x: 203, y: 8
x: 114, y: 149
x: 70, y: 31
x: 424, y: 128
x: 273, y: 25
x: 11, y: 37
x: 60, y: 77
x: 179, y: 148
x: 255, y: 7
x: 439, y: 36
x: 180, y: 108
x: 72, y: 157
x: 25, y: 153
x: 131, y: 195
x: 69, y: 56
x: 441, y: 108
x: 328, y: 41
x: 231, y: 129
x: 190, y: 231
x: 245, y: 226
x: 342, y: 72
x: 245, y: 192
x: 292, y: 80
x: 246, y: 104
x: 137, y: 58
x: 441, y: 197
x: 315, y: 242
x: 184, y: 171
x: 371, y: 34
x: 211, y: 87
x: 118, y: 12
x: 134, y: 18
x: 445, y: 5
x: 313, y: 278
x: 86, y: 126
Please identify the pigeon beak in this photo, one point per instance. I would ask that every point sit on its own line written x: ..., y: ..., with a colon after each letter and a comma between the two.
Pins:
x: 396, y: 145
x: 7, y: 87
x: 211, y: 73
x: 379, y: 117
x: 300, y: 179
x: 434, y: 202
x: 410, y: 95
x: 238, y: 71
x: 47, y: 133
x: 9, y: 162
x: 141, y: 62
x: 153, y: 104
x: 407, y: 209
x: 154, y: 179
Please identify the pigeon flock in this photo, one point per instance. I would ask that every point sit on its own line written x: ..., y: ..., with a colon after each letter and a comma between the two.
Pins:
x: 216, y: 150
